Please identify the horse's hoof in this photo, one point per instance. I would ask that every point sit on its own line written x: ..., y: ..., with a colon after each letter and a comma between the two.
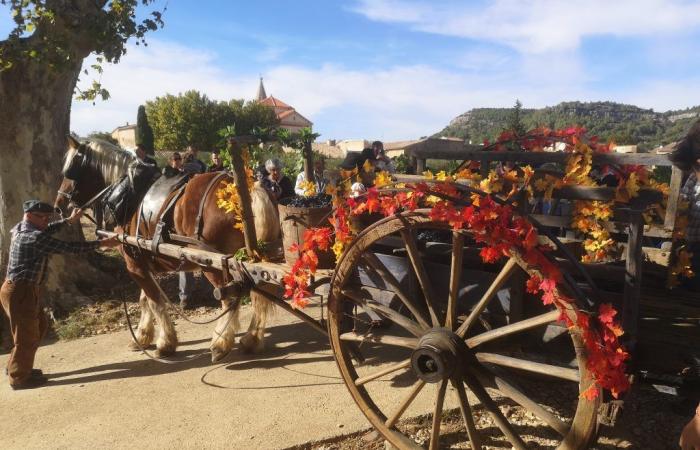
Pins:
x: 165, y: 352
x: 218, y: 354
x: 251, y: 344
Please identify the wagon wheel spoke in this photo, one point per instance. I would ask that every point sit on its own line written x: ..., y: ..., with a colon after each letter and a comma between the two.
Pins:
x: 455, y: 276
x: 500, y: 280
x: 421, y: 273
x: 357, y: 296
x: 437, y: 417
x: 496, y: 414
x: 513, y: 328
x: 515, y: 394
x: 384, y: 339
x: 380, y: 373
x: 465, y: 409
x: 417, y: 387
x: 391, y: 280
x: 565, y: 373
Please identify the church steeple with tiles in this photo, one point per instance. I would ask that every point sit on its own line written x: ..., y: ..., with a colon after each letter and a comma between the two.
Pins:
x: 262, y: 95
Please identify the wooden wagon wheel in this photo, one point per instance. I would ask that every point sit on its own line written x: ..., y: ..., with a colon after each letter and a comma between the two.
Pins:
x: 429, y: 345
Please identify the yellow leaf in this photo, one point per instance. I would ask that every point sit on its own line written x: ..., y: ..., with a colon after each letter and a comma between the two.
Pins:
x: 382, y: 179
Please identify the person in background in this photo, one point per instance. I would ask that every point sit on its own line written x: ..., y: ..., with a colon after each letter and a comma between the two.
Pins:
x: 380, y: 160
x: 191, y: 163
x: 320, y: 181
x: 686, y: 157
x: 216, y: 164
x: 186, y: 283
x: 174, y: 167
x: 32, y: 242
x: 144, y: 157
x: 276, y: 183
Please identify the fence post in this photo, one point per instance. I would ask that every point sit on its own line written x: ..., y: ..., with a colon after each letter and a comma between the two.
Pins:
x: 420, y: 166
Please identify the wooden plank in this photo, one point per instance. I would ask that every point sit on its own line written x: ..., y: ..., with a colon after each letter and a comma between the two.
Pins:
x: 599, y: 193
x: 673, y: 198
x: 474, y: 152
x: 615, y: 226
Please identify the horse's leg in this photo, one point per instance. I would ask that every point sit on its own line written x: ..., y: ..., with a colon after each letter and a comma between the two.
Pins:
x: 145, y: 331
x: 224, y: 335
x: 166, y: 343
x: 253, y: 341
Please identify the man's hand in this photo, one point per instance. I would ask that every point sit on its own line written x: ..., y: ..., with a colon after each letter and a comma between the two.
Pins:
x: 690, y: 436
x: 75, y: 216
x: 109, y: 242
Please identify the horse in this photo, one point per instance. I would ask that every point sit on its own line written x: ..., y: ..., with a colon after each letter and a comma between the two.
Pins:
x: 91, y: 166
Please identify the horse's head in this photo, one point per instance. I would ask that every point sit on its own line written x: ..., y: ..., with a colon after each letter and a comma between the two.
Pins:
x: 88, y: 168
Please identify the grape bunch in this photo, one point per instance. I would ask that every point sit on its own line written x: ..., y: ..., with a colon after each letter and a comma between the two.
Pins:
x: 443, y: 236
x: 317, y: 201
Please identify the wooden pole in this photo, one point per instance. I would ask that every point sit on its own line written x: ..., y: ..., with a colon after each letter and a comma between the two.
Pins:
x: 308, y: 162
x: 633, y: 280
x: 239, y: 177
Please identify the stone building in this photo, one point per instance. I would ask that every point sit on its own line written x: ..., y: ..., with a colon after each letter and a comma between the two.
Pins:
x: 125, y: 136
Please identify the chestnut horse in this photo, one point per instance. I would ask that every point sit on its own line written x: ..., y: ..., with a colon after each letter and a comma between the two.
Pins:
x: 96, y: 164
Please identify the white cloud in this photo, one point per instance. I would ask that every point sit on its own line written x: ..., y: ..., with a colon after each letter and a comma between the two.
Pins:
x: 147, y: 72
x: 537, y: 26
x: 399, y: 102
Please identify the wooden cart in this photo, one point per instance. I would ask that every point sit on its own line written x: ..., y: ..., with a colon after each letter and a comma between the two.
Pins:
x: 454, y: 332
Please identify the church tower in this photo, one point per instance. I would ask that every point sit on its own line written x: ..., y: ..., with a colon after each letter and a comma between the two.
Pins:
x: 261, y: 92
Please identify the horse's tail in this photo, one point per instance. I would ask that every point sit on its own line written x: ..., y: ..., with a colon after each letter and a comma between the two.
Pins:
x: 267, y: 223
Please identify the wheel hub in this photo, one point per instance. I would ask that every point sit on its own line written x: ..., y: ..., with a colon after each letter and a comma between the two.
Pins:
x: 439, y: 354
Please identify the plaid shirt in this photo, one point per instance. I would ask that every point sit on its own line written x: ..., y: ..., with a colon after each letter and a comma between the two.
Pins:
x: 691, y: 192
x: 30, y: 247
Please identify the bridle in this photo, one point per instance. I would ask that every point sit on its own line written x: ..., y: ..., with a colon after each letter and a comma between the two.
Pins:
x: 68, y: 195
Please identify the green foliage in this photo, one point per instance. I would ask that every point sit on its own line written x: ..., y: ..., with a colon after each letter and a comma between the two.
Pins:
x: 144, y: 132
x: 194, y: 119
x: 103, y: 135
x: 625, y: 124
x: 515, y: 123
x: 58, y: 34
x: 402, y: 163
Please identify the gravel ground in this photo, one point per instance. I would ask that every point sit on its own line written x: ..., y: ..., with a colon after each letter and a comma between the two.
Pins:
x: 648, y: 422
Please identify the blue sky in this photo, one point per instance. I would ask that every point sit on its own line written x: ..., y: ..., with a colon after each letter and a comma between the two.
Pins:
x: 401, y: 69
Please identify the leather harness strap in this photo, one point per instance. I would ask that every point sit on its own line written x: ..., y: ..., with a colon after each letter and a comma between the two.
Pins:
x: 160, y: 228
x: 199, y: 222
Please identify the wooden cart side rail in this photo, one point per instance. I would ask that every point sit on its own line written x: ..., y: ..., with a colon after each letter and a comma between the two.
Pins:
x: 645, y: 198
x: 474, y: 152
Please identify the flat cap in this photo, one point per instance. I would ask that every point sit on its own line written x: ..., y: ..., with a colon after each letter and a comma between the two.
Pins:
x: 37, y: 207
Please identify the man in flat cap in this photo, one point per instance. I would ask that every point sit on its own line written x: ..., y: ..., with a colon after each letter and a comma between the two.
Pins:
x: 31, y: 244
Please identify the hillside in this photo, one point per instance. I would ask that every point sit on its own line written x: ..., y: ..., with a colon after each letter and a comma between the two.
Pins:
x: 625, y: 124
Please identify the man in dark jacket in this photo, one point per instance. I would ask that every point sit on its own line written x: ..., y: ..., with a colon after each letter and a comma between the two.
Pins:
x: 31, y: 244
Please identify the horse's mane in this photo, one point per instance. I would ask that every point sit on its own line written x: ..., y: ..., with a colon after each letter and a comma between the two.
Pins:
x: 109, y: 159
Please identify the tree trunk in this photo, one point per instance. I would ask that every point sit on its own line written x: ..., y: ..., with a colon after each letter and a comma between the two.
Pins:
x: 35, y: 106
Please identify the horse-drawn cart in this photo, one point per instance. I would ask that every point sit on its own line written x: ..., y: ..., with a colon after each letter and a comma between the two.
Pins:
x: 466, y: 356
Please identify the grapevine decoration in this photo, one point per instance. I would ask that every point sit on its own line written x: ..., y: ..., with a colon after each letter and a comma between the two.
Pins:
x: 227, y: 197
x: 495, y: 225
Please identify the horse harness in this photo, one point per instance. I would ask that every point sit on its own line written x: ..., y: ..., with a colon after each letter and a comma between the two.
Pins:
x: 159, y: 203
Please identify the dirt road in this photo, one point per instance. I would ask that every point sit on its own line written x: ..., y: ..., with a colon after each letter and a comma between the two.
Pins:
x: 100, y: 395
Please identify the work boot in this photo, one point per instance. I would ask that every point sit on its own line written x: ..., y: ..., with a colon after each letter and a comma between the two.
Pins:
x: 30, y: 383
